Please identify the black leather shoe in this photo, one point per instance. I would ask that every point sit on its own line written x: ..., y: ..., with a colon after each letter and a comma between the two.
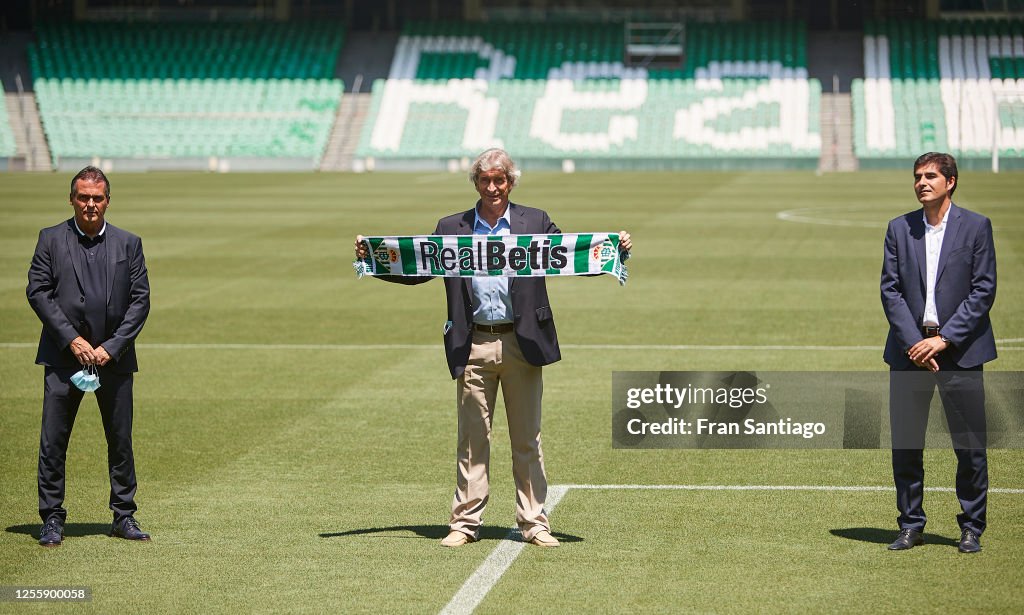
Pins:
x: 128, y: 528
x: 907, y: 539
x: 52, y: 533
x: 969, y: 542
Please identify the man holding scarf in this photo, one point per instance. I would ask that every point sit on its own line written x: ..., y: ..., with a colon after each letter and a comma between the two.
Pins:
x: 500, y: 330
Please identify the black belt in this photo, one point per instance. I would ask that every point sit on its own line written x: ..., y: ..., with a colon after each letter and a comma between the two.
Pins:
x: 494, y: 329
x: 929, y: 331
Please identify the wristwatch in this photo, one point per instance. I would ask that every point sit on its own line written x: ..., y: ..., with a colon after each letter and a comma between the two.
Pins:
x: 945, y: 339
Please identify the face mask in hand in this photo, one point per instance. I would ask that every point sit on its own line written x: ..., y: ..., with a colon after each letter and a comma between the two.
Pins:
x: 87, y: 380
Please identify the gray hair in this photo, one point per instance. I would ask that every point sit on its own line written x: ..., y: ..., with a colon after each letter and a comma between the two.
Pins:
x: 494, y: 158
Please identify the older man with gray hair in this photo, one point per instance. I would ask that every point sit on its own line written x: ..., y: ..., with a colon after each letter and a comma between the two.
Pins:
x: 499, y: 331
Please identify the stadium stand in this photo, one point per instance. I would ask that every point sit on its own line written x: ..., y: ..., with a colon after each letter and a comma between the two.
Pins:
x: 531, y: 51
x: 940, y: 85
x: 187, y: 117
x: 254, y: 90
x: 561, y: 91
x: 624, y: 118
x: 7, y: 143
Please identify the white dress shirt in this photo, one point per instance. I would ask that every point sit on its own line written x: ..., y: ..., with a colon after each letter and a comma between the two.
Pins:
x: 932, y: 247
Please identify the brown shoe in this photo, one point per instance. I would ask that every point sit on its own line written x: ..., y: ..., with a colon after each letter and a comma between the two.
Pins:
x: 545, y: 539
x: 456, y: 538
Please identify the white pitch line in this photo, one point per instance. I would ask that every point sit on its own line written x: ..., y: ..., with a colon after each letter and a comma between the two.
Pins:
x: 777, y: 488
x: 709, y: 347
x: 172, y: 346
x: 488, y: 573
x: 486, y: 576
x: 186, y: 346
x: 801, y: 215
x: 663, y: 347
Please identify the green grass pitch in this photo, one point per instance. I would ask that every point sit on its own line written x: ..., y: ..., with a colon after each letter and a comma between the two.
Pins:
x: 280, y: 479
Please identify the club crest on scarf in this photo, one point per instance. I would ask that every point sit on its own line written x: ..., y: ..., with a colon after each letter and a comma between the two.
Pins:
x: 605, y: 252
x: 386, y: 255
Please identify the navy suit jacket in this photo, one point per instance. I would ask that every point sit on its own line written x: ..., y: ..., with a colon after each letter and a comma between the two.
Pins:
x: 965, y: 287
x: 57, y: 295
x: 534, y: 323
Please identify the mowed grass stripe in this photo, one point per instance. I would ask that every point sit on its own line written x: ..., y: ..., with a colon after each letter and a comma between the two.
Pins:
x: 311, y: 469
x: 279, y: 512
x: 241, y: 346
x: 475, y: 589
x: 765, y: 552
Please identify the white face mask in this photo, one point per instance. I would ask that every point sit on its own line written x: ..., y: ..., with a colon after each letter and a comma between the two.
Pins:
x: 87, y: 380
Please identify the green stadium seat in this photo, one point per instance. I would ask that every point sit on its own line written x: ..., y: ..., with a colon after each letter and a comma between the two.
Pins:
x: 947, y: 84
x: 442, y: 50
x: 598, y: 118
x: 249, y: 89
x: 168, y: 117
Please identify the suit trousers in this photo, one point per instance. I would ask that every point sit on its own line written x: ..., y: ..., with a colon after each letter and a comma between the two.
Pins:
x: 497, y: 360
x: 962, y: 394
x: 61, y: 400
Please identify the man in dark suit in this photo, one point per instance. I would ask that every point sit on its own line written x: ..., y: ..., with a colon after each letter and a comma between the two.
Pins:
x: 938, y: 286
x: 499, y: 331
x: 88, y: 284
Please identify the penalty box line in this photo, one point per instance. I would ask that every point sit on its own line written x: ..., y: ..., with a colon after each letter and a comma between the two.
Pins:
x: 490, y: 571
x: 778, y: 488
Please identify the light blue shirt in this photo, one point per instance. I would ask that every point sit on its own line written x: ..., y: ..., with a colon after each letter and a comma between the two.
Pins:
x: 492, y: 300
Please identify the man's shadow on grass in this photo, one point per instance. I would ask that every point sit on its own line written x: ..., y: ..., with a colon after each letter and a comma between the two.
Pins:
x: 437, y: 532
x: 73, y: 530
x: 884, y: 537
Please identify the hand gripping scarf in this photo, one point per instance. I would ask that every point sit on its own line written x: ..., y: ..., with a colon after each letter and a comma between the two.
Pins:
x: 494, y: 255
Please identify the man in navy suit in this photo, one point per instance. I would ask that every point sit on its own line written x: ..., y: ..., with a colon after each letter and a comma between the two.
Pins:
x: 89, y: 286
x: 938, y: 286
x: 500, y: 331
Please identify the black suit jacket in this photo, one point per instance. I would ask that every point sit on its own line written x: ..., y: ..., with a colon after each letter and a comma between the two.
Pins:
x: 965, y: 287
x: 57, y: 295
x: 534, y: 322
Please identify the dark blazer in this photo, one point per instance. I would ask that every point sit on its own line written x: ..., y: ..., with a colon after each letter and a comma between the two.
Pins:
x: 534, y: 323
x: 965, y: 287
x: 57, y: 295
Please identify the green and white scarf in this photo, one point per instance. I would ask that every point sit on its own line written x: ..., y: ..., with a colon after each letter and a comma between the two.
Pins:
x: 494, y: 255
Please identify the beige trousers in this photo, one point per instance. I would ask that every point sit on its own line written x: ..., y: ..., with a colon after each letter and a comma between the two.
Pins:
x: 494, y: 360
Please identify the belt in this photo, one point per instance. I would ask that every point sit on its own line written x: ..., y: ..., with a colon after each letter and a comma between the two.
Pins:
x: 494, y: 329
x: 929, y: 331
